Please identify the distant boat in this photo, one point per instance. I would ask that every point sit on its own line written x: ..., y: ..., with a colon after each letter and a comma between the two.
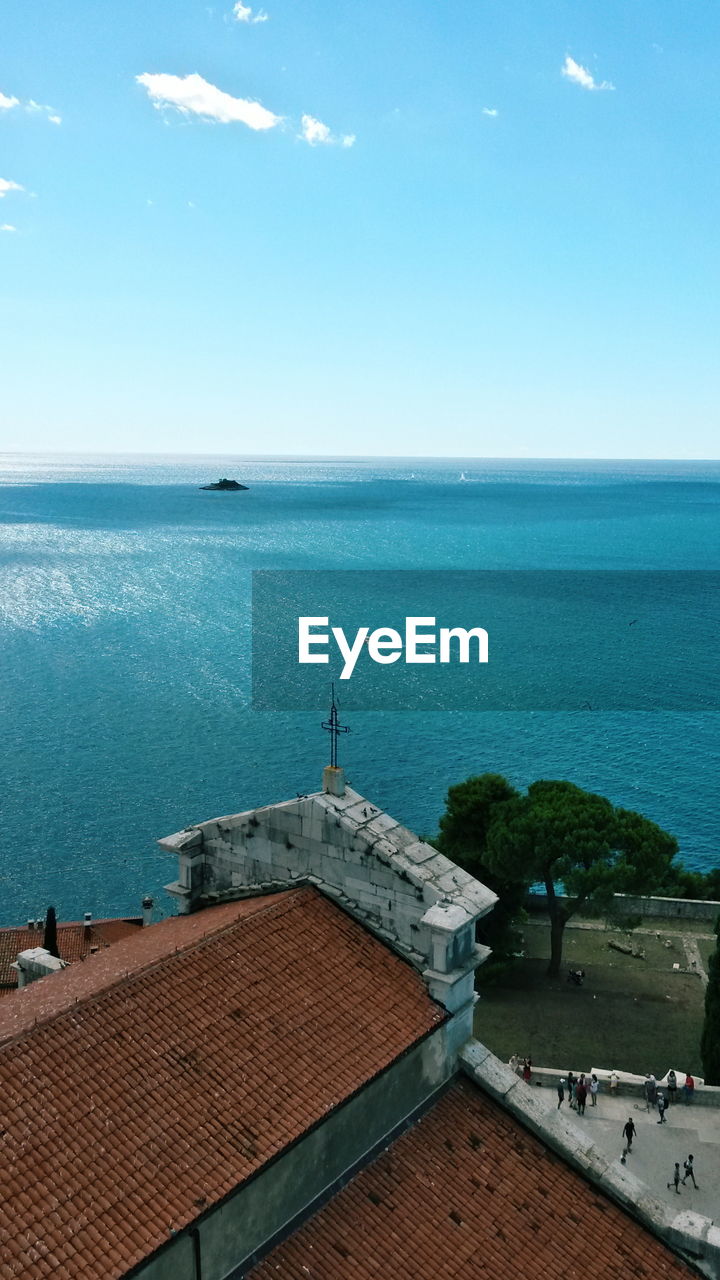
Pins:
x: 231, y: 485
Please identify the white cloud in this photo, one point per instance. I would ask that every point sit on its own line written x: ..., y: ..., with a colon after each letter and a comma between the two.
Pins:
x: 580, y: 75
x: 194, y: 96
x: 243, y: 13
x: 7, y: 226
x: 31, y: 106
x: 36, y: 107
x: 314, y: 132
x: 6, y: 185
x: 490, y: 111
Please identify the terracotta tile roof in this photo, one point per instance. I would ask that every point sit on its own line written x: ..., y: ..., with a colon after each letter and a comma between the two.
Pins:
x: 75, y: 941
x: 163, y: 1072
x: 469, y: 1193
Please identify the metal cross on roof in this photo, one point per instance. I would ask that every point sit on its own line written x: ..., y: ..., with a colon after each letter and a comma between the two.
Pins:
x: 334, y: 728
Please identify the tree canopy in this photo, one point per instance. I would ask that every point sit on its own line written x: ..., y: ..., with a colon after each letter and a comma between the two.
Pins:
x: 50, y: 938
x: 463, y: 837
x: 576, y: 843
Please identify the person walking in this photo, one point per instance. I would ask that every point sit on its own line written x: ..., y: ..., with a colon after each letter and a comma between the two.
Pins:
x: 527, y: 1070
x: 571, y: 1089
x: 689, y: 1088
x: 614, y: 1084
x: 689, y: 1168
x: 675, y: 1177
x: 594, y: 1086
x: 662, y: 1103
x: 581, y: 1095
x: 671, y: 1087
x: 629, y: 1132
x: 560, y: 1093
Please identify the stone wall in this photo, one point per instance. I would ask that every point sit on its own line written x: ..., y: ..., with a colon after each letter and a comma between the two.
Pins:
x: 410, y: 896
x: 666, y: 908
x: 343, y: 844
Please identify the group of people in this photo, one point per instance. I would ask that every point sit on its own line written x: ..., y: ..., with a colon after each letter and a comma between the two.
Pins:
x: 689, y: 1168
x: 578, y: 1088
x: 629, y: 1132
x: 656, y: 1097
x: 522, y: 1067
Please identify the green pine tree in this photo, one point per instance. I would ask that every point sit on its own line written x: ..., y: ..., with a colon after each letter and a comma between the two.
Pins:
x: 571, y: 840
x: 50, y: 939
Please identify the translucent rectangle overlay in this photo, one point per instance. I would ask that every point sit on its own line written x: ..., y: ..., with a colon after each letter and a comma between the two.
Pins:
x: 596, y: 640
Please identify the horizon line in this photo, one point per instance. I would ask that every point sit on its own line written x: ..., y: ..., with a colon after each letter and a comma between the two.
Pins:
x: 341, y: 457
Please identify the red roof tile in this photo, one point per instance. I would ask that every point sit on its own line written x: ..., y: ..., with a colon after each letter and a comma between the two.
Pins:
x: 467, y: 1192
x: 175, y: 1064
x: 75, y: 941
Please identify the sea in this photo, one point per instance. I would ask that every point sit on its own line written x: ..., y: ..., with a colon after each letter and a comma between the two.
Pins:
x: 125, y: 639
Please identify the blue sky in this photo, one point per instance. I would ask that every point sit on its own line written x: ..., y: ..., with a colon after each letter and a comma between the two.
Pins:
x: 446, y: 227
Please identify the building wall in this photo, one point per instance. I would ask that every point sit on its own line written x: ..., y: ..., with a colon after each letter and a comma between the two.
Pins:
x: 299, y: 840
x: 375, y: 868
x: 272, y: 1199
x: 413, y: 899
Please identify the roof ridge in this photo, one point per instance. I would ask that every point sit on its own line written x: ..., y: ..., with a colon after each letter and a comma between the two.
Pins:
x: 44, y: 1003
x: 73, y: 924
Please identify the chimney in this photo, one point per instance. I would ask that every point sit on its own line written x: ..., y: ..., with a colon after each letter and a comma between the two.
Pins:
x: 34, y: 963
x: 147, y: 910
x: 31, y: 925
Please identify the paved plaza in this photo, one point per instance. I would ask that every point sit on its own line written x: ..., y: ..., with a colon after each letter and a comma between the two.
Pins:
x: 656, y: 1147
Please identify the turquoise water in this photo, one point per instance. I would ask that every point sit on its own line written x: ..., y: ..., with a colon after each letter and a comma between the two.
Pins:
x: 125, y: 632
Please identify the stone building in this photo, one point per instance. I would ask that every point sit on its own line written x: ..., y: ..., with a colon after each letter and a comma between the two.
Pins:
x: 282, y: 1082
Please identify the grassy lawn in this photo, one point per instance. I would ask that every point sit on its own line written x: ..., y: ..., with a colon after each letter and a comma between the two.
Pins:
x: 635, y: 1015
